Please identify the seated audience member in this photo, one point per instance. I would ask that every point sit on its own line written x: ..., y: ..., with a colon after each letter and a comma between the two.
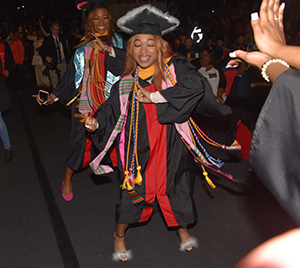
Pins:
x: 176, y: 45
x: 182, y: 38
x: 219, y: 129
x: 240, y: 43
x: 210, y: 43
x: 191, y: 51
x: 221, y: 52
x: 215, y: 76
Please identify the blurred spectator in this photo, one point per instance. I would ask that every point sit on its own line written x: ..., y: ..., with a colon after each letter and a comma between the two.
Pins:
x: 215, y: 76
x: 221, y: 52
x: 7, y: 65
x: 17, y: 49
x: 37, y: 61
x: 74, y: 38
x: 239, y: 43
x: 176, y: 45
x: 191, y: 51
x: 55, y: 55
x: 210, y: 43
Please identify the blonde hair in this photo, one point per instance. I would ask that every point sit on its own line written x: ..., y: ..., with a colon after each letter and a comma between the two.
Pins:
x: 89, y: 29
x: 164, y: 51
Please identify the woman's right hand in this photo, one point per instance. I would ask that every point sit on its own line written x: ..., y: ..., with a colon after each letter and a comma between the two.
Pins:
x: 91, y: 123
x: 254, y: 58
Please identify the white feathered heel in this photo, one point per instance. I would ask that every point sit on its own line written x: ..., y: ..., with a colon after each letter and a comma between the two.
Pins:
x: 122, y: 255
x: 189, y: 244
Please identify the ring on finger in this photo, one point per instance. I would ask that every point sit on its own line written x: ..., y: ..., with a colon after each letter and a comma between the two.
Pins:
x: 277, y: 19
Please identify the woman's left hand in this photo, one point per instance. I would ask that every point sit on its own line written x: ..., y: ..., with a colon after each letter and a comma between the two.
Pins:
x: 143, y: 95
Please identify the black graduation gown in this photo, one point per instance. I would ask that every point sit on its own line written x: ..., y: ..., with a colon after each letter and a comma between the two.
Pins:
x: 80, y: 150
x: 168, y: 168
x: 275, y: 147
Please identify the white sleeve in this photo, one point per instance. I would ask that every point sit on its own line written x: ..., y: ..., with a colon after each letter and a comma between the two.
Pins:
x: 156, y: 97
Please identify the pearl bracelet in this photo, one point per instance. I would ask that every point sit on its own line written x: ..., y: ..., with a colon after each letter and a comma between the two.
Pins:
x: 268, y: 63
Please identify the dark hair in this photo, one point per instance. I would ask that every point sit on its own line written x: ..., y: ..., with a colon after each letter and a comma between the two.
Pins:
x: 210, y: 52
x: 220, y: 37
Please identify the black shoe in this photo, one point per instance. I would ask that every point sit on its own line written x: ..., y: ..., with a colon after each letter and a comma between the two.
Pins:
x: 8, y: 153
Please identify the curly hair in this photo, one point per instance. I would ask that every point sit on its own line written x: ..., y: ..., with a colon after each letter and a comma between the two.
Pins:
x: 164, y: 51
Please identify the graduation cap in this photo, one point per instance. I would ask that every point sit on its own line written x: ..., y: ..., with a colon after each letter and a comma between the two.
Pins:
x: 147, y: 19
x: 88, y: 6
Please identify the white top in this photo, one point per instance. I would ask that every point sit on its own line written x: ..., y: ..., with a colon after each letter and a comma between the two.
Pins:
x: 213, y: 78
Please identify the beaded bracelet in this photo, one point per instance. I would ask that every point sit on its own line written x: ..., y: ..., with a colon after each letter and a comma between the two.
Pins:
x: 268, y: 63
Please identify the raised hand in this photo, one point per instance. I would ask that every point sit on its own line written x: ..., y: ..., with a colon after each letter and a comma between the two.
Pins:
x: 268, y: 27
x: 98, y: 44
x: 143, y: 95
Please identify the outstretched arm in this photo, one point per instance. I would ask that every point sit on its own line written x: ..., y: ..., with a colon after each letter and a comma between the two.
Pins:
x: 269, y: 34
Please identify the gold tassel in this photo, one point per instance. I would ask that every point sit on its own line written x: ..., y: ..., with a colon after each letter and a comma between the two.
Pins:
x: 125, y: 179
x: 235, y: 143
x: 72, y: 100
x: 126, y: 184
x: 80, y: 116
x: 138, y: 180
x: 208, y: 180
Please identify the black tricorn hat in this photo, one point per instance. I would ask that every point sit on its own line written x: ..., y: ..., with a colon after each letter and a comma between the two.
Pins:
x: 147, y: 19
x: 88, y: 6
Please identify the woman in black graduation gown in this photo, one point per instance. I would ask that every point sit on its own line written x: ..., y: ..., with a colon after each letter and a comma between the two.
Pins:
x: 87, y: 83
x: 153, y: 151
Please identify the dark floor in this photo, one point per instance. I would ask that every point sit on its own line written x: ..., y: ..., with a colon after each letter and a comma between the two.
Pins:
x: 39, y: 229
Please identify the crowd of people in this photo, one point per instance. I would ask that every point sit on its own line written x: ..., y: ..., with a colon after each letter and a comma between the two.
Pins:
x: 123, y: 82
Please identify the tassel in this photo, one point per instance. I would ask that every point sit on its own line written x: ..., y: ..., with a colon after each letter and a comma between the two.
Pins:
x: 234, y: 146
x: 208, y: 180
x: 138, y: 180
x: 72, y: 100
x: 80, y: 116
x: 126, y: 184
x: 216, y: 162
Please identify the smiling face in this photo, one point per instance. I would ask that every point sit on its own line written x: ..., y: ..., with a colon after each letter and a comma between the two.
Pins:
x: 145, y: 50
x: 206, y: 59
x: 101, y: 20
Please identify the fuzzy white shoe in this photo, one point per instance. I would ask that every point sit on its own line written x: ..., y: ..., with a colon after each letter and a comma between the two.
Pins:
x: 189, y: 244
x: 122, y: 256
